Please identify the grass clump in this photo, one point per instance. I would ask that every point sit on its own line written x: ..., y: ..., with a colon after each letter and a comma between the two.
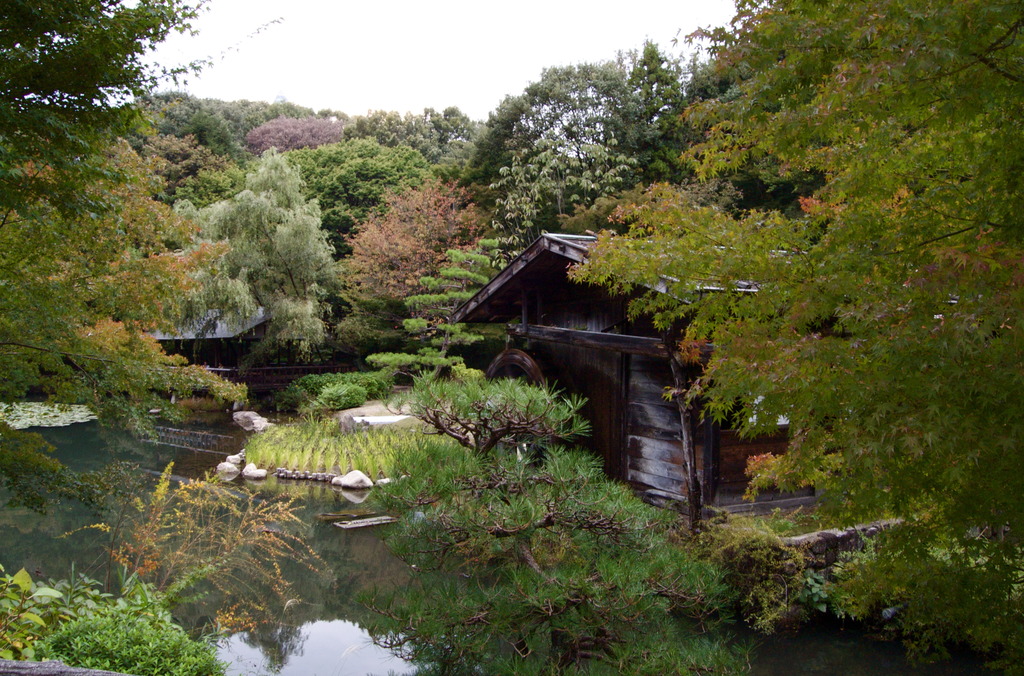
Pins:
x: 321, y: 446
x: 340, y: 396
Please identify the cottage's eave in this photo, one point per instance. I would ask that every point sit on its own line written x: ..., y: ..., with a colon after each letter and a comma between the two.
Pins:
x: 548, y: 257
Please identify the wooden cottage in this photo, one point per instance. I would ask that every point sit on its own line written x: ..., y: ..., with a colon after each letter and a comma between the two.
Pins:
x: 580, y: 338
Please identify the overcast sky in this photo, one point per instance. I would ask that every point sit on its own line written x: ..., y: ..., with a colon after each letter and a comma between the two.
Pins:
x: 405, y: 55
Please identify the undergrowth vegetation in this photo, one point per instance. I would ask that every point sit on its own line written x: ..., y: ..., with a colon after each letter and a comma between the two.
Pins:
x: 334, y: 391
x: 767, y: 575
x: 75, y: 621
x: 188, y: 537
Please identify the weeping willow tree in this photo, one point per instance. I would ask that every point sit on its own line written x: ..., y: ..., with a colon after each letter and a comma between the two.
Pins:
x: 278, y: 260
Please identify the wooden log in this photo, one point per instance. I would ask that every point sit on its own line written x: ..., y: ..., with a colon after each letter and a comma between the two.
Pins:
x: 366, y: 523
x: 48, y: 668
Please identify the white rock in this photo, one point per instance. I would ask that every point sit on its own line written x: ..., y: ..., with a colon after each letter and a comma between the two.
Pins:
x: 383, y: 482
x: 250, y: 421
x: 234, y: 459
x: 252, y: 472
x: 227, y: 468
x: 354, y: 479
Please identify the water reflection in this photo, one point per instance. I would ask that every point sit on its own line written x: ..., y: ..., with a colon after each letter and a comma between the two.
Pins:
x: 324, y: 648
x: 829, y: 648
x: 317, y: 631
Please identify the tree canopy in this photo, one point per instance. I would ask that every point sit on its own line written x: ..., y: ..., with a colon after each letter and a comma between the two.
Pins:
x: 885, y: 322
x: 69, y: 70
x: 289, y: 133
x: 352, y: 178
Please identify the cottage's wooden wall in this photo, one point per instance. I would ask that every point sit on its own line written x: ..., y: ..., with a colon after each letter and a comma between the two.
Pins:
x: 653, y: 450
x: 634, y: 428
x: 733, y: 456
x: 595, y: 374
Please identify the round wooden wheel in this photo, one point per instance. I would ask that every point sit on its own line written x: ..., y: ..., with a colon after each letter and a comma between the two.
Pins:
x: 516, y: 364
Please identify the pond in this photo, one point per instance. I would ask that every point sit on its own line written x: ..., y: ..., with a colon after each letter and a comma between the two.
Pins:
x: 321, y: 631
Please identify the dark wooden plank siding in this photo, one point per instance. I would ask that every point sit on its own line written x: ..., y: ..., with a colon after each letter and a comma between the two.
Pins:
x: 653, y: 449
x: 734, y: 453
x: 597, y: 375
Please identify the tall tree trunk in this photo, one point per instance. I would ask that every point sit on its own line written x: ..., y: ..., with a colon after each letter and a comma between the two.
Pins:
x: 694, y: 501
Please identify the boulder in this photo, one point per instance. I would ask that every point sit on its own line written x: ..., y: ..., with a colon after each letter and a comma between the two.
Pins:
x: 227, y: 468
x: 253, y: 472
x: 250, y: 421
x: 354, y: 480
x: 346, y: 423
x: 236, y: 459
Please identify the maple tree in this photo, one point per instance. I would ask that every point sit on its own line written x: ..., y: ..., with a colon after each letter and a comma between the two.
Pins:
x: 885, y: 322
x: 409, y: 239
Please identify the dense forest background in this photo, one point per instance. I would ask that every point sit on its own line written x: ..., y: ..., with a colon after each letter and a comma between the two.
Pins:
x: 396, y: 191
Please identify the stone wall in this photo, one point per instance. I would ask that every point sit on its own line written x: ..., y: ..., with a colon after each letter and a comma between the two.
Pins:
x: 824, y: 547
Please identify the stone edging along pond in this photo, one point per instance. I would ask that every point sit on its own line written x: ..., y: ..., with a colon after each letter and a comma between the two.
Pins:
x: 253, y: 422
x: 824, y: 547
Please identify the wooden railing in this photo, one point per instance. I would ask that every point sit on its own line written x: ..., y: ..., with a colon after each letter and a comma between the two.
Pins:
x: 195, y: 440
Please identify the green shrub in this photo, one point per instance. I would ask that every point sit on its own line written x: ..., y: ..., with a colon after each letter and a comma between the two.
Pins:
x: 531, y: 567
x: 292, y: 398
x: 341, y: 395
x: 121, y: 641
x: 377, y: 383
x: 30, y: 611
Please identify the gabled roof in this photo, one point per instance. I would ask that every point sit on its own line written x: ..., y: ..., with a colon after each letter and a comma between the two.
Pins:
x: 546, y: 261
x: 213, y: 326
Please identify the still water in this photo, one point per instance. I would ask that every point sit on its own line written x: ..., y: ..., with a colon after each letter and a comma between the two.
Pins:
x: 320, y: 633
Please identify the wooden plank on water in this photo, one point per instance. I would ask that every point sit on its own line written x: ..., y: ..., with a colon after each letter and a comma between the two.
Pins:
x: 366, y: 523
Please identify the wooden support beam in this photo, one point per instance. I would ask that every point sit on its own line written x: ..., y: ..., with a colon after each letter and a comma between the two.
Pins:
x: 595, y: 340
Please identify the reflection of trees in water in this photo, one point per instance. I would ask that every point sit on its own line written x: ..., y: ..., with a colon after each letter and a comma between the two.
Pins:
x: 276, y: 643
x: 352, y: 560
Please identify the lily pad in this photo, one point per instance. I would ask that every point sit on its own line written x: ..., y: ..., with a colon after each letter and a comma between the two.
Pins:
x: 24, y: 414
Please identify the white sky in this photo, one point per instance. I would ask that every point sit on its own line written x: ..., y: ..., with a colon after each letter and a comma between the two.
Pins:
x: 406, y: 55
